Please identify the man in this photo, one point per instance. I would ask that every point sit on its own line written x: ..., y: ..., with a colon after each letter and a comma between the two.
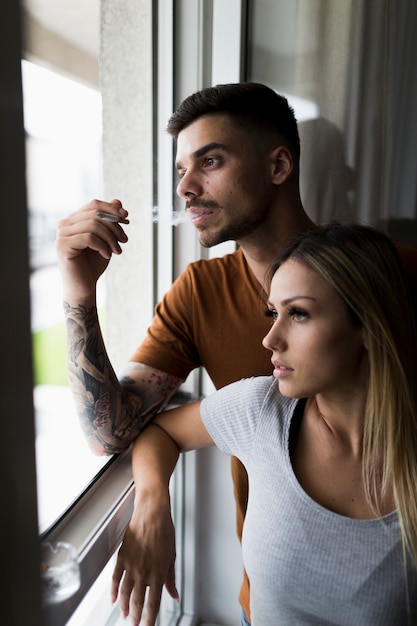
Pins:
x: 237, y: 159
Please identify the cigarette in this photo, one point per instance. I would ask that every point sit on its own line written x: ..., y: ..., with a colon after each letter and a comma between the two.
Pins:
x: 108, y: 216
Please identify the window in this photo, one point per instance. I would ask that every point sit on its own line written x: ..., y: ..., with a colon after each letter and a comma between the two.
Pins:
x: 95, y: 521
x: 354, y: 66
x: 63, y: 170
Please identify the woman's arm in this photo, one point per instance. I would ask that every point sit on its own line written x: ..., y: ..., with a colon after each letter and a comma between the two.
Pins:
x: 185, y: 427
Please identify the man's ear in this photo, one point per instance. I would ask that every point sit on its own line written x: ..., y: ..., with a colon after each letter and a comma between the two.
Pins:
x: 281, y: 164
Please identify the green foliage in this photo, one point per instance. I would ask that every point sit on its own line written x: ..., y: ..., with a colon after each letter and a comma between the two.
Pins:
x: 49, y: 347
x: 49, y: 356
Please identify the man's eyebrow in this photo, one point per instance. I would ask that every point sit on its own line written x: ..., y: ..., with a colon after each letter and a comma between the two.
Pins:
x: 214, y: 145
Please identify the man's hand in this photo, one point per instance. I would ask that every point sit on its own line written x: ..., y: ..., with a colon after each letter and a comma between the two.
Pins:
x: 85, y: 243
x: 146, y: 558
x: 147, y: 555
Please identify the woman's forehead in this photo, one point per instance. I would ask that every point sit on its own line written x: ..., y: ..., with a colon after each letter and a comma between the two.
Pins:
x: 294, y: 279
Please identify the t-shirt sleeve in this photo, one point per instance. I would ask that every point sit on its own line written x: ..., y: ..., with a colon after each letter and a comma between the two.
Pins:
x: 169, y: 344
x: 232, y: 414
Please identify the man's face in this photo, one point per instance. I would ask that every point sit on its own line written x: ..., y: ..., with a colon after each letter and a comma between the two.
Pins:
x: 225, y: 179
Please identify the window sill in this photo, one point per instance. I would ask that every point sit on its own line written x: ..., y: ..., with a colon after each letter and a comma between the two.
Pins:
x: 94, y: 526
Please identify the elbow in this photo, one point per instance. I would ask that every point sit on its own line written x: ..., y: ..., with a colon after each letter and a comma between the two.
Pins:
x: 102, y: 448
x: 98, y: 448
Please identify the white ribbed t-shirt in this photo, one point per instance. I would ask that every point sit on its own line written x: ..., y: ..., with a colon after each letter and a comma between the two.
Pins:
x: 306, y: 564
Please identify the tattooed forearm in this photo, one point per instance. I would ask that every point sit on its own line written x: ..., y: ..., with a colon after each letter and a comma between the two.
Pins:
x: 153, y: 386
x: 112, y: 414
x: 95, y: 386
x: 84, y: 337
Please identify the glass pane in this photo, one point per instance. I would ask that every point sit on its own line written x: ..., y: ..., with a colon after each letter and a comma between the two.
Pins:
x: 349, y: 72
x: 63, y: 144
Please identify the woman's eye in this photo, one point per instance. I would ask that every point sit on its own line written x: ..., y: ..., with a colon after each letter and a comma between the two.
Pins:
x: 271, y: 313
x: 298, y: 314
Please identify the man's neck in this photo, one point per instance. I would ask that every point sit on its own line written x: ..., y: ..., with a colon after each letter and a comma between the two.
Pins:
x: 262, y: 250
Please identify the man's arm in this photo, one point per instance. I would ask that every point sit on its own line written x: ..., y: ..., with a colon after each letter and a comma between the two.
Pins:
x: 112, y: 413
x: 147, y: 555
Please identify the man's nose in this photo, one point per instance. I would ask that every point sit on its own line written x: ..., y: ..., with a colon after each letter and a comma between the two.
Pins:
x: 189, y: 185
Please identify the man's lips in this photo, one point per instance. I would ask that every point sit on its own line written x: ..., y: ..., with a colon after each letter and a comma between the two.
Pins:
x: 199, y: 215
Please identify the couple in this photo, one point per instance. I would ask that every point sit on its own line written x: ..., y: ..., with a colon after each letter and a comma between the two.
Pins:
x: 237, y: 158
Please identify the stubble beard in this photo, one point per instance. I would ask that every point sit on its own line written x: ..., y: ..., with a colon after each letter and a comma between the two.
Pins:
x: 234, y: 231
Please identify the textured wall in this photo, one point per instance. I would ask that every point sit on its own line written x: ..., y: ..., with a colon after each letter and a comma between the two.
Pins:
x: 126, y: 86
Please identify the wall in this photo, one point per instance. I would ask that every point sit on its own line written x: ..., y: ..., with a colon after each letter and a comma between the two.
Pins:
x: 126, y: 88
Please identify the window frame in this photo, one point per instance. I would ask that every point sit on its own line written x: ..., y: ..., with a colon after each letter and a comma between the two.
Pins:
x: 94, y: 525
x: 20, y: 591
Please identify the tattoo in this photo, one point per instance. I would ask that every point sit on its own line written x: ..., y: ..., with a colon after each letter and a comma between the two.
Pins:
x: 154, y: 389
x: 111, y: 413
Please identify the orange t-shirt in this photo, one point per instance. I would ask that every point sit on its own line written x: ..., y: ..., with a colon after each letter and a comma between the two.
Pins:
x: 213, y: 317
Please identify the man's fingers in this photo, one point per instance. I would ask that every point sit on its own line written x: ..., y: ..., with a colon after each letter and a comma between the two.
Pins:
x: 125, y: 593
x: 170, y: 583
x: 152, y: 605
x: 115, y: 579
x: 103, y: 241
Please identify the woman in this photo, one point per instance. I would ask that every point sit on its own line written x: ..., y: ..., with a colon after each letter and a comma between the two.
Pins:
x: 329, y: 442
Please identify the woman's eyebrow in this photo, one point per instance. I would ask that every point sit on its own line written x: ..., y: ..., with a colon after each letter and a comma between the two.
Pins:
x: 289, y: 300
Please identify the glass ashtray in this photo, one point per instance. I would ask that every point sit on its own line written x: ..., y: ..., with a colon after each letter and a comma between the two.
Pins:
x: 60, y: 572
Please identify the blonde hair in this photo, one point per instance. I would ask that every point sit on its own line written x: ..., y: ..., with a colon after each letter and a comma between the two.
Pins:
x: 363, y: 266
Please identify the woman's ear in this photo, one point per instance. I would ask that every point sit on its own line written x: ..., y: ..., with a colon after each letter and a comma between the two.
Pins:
x: 281, y: 164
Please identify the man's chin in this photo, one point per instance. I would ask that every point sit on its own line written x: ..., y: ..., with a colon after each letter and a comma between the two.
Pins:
x: 208, y: 241
x: 209, y: 237
x: 205, y: 238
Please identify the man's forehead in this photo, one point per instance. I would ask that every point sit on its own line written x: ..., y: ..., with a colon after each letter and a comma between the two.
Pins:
x: 208, y: 123
x: 215, y: 130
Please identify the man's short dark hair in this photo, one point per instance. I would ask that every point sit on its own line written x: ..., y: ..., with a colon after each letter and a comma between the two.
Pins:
x: 252, y: 103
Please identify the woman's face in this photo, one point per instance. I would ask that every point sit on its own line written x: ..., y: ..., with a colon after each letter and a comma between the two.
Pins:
x: 315, y: 346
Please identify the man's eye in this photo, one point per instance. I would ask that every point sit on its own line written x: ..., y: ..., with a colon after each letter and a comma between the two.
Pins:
x: 211, y: 161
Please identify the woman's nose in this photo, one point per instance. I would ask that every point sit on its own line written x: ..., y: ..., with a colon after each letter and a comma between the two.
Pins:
x: 274, y: 339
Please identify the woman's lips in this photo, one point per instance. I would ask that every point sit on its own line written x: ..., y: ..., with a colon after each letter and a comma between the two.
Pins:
x: 281, y: 371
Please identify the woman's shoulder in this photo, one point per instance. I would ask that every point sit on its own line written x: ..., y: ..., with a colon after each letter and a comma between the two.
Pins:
x: 257, y: 394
